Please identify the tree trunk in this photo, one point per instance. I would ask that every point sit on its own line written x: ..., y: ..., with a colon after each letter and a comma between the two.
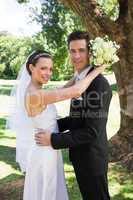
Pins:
x: 121, y: 145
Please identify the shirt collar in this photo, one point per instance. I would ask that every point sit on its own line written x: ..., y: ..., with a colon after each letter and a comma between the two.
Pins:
x: 83, y: 74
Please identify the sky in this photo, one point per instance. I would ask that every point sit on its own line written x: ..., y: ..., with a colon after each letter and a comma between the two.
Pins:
x: 14, y: 17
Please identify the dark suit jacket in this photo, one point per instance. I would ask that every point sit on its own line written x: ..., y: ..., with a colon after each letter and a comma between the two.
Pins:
x: 86, y: 136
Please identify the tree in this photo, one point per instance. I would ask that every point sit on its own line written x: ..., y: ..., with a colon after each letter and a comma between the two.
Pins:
x: 57, y: 22
x: 14, y: 51
x: 99, y: 23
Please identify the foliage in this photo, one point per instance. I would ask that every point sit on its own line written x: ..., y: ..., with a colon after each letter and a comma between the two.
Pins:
x: 110, y: 7
x: 10, y: 49
x: 13, y: 53
x: 57, y: 22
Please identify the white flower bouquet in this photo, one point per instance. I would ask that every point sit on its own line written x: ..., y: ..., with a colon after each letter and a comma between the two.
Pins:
x: 103, y: 51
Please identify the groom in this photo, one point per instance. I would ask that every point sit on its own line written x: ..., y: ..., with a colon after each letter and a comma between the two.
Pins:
x: 85, y: 128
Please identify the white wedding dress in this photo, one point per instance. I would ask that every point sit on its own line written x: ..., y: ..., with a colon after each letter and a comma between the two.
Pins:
x: 45, y: 178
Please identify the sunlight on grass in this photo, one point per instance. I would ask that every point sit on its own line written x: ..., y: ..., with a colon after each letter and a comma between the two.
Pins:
x: 7, y: 138
x: 68, y: 167
x: 71, y: 182
x: 120, y: 182
x: 6, y: 170
x: 7, y: 142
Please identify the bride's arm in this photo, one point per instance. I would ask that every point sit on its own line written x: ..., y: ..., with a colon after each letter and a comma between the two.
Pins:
x: 44, y: 97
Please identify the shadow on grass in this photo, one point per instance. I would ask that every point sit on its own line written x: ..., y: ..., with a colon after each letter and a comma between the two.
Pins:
x: 7, y: 155
x: 6, y: 137
x: 72, y: 186
x: 2, y: 128
x: 2, y: 134
x: 5, y: 90
x: 65, y: 153
x: 11, y: 187
x: 11, y: 178
x: 120, y: 176
x: 120, y: 196
x: 73, y: 189
x: 2, y: 123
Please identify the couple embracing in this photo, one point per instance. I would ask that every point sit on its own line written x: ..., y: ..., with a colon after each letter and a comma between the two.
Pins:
x: 40, y: 136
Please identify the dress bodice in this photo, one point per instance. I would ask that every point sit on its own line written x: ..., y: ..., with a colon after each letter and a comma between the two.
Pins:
x: 43, y: 164
x: 47, y: 119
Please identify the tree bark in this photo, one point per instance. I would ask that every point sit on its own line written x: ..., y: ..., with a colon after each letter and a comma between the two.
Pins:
x: 98, y: 24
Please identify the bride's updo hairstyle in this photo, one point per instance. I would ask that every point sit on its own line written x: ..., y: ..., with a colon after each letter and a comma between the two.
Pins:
x: 34, y: 57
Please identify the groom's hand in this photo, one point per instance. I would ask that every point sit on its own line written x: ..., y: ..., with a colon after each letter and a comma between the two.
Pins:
x: 43, y: 138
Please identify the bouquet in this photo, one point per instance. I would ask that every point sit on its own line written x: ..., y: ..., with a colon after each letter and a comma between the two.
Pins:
x: 103, y: 51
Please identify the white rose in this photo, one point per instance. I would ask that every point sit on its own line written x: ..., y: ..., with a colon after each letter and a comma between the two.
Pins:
x: 98, y: 61
x: 115, y: 58
x: 103, y: 51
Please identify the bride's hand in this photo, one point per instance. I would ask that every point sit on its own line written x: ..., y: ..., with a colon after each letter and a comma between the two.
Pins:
x: 101, y: 68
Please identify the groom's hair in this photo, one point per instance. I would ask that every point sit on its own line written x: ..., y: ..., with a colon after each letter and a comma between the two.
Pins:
x: 34, y: 57
x: 79, y: 35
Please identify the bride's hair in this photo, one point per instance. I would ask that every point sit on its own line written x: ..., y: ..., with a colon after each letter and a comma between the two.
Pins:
x: 34, y: 57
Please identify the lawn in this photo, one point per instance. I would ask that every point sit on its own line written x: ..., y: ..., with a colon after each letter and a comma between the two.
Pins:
x: 11, y: 179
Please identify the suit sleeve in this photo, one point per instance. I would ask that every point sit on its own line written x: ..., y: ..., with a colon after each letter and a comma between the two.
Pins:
x: 98, y: 100
x: 64, y: 124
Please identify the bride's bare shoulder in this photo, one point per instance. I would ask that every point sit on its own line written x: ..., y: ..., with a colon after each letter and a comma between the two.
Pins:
x: 34, y: 101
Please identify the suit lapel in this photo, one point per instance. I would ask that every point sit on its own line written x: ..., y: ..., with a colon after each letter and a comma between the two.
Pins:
x: 90, y: 70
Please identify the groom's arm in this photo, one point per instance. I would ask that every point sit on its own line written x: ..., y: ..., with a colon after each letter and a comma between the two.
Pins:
x: 73, y: 138
x: 64, y: 124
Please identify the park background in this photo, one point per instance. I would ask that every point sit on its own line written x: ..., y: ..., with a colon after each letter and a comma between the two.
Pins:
x: 46, y: 25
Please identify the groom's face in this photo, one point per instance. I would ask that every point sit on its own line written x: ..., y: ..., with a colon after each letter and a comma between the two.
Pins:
x: 79, y: 54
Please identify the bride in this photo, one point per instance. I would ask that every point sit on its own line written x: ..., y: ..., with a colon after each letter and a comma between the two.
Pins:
x: 34, y: 109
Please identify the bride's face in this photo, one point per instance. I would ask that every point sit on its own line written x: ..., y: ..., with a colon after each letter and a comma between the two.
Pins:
x: 42, y: 71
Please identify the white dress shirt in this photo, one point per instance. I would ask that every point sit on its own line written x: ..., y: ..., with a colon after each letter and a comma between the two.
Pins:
x: 82, y: 75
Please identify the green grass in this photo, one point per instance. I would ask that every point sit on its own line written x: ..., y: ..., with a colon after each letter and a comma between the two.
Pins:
x: 6, y: 89
x: 120, y: 181
x: 114, y: 88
